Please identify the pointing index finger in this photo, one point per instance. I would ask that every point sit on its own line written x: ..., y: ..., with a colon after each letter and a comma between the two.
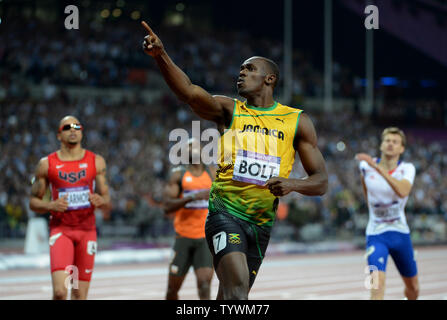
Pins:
x: 148, y: 29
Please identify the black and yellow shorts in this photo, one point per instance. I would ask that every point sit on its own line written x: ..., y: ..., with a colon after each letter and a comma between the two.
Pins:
x: 226, y: 233
x: 189, y: 252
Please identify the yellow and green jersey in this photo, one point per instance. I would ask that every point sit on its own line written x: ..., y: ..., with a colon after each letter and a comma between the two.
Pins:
x: 258, y: 145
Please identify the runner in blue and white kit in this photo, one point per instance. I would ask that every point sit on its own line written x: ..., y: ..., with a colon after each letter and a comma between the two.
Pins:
x: 387, y: 182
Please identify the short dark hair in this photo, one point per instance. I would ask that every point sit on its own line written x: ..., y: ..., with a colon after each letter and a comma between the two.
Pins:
x: 271, y: 68
x: 66, y: 117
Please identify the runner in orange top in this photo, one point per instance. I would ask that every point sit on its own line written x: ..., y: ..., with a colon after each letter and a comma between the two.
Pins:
x: 187, y: 194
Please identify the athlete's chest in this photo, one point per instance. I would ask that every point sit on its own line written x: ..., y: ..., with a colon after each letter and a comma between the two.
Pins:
x: 265, y: 126
x: 192, y: 182
x: 71, y: 173
x: 377, y: 184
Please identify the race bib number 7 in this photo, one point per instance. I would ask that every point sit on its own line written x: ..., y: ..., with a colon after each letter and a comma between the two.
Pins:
x: 255, y: 168
x: 77, y: 197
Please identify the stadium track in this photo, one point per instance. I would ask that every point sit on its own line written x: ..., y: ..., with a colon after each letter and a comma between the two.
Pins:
x: 329, y: 276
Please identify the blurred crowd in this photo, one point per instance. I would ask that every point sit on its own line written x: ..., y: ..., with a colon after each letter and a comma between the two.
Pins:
x: 110, y: 55
x: 342, y: 212
x: 132, y: 133
x: 133, y: 138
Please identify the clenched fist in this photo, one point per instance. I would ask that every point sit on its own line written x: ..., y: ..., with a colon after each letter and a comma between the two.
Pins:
x: 59, y: 205
x: 96, y: 200
x: 280, y: 186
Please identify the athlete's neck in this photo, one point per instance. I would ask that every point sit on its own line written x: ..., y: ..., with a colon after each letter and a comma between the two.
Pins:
x: 388, y: 163
x: 196, y: 169
x: 70, y: 153
x: 261, y: 101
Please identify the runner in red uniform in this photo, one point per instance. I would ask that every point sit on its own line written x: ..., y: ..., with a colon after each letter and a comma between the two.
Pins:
x: 77, y: 178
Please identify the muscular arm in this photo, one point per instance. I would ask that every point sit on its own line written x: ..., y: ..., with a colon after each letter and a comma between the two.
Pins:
x: 312, y: 160
x: 401, y: 187
x: 171, y: 200
x: 218, y: 109
x: 39, y: 187
x: 101, y: 187
x: 365, y: 192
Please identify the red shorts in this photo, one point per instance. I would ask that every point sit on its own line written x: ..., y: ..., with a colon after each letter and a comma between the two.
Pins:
x: 73, y: 247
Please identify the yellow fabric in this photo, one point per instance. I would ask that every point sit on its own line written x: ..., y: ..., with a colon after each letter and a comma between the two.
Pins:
x: 257, y: 145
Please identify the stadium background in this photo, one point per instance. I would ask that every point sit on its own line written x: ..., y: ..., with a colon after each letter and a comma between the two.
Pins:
x: 100, y: 74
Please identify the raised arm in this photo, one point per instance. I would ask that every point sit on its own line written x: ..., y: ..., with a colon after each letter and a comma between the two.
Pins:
x: 218, y: 109
x: 38, y: 189
x: 401, y: 187
x: 312, y: 160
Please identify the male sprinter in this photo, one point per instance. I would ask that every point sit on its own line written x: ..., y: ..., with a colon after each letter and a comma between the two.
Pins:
x: 78, y: 184
x: 387, y: 182
x: 252, y: 172
x: 187, y: 193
